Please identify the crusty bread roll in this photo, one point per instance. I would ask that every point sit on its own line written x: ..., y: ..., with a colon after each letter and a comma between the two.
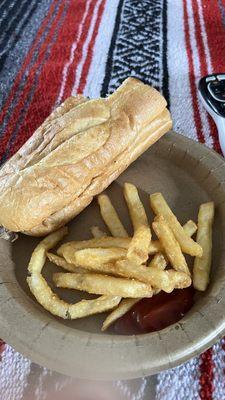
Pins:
x: 76, y: 153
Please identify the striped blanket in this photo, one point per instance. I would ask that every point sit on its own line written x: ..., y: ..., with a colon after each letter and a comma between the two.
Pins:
x: 50, y: 49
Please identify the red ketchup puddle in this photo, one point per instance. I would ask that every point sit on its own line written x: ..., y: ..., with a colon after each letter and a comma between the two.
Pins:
x: 156, y: 313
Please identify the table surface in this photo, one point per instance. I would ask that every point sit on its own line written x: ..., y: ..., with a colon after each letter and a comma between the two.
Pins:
x: 50, y: 49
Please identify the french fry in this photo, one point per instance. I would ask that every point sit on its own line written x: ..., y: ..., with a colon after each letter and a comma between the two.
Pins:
x: 110, y: 216
x: 187, y: 244
x: 102, y: 284
x: 38, y: 256
x: 91, y: 257
x: 139, y: 247
x: 170, y: 244
x: 190, y: 228
x: 124, y: 306
x: 154, y: 247
x: 52, y: 303
x: 202, y: 266
x: 97, y: 232
x: 48, y: 299
x: 101, y: 268
x: 104, y: 268
x: 61, y: 262
x: 159, y: 260
x: 85, y: 308
x: 109, y: 241
x: 164, y: 280
x: 103, y: 242
x: 135, y: 206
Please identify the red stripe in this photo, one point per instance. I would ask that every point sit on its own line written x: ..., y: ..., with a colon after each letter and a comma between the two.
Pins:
x: 206, y: 375
x: 203, y: 65
x: 27, y: 61
x: 50, y: 78
x: 2, y: 347
x: 215, y: 32
x: 30, y: 81
x: 199, y: 39
x: 87, y: 63
x: 193, y: 88
x: 71, y: 75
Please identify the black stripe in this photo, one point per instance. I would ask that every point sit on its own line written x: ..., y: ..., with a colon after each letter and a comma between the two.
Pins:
x: 7, y: 17
x: 8, y: 33
x: 108, y: 70
x: 5, y: 7
x: 16, y: 37
x: 165, y: 81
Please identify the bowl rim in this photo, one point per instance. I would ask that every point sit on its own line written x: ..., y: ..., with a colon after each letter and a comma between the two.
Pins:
x: 129, y: 358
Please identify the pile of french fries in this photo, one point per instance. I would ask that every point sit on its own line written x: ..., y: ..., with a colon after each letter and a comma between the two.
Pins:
x: 124, y: 269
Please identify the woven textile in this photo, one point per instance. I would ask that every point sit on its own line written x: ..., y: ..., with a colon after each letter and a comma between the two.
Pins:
x: 50, y: 49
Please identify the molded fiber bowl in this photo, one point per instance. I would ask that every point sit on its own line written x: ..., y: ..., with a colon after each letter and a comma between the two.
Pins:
x: 188, y: 174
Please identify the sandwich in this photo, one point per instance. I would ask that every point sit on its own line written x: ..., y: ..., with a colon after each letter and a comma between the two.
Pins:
x: 76, y: 153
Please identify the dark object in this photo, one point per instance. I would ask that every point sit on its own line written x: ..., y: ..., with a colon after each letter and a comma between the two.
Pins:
x: 212, y: 93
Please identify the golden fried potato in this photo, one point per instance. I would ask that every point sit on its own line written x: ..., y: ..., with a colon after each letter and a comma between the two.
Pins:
x: 139, y: 245
x: 159, y: 260
x: 38, y: 256
x: 187, y: 244
x: 61, y: 262
x: 170, y: 244
x: 110, y: 216
x: 164, y: 280
x: 102, y: 284
x: 97, y: 232
x: 202, y: 266
x: 92, y: 257
x: 52, y: 303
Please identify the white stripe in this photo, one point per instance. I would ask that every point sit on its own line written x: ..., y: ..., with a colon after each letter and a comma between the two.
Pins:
x: 179, y: 383
x: 179, y: 85
x: 196, y: 63
x: 85, y: 48
x: 72, y: 54
x: 100, y: 51
x: 14, y: 369
x: 219, y: 371
x: 133, y: 389
x: 204, y: 38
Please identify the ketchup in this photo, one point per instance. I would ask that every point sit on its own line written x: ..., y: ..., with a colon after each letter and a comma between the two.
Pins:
x: 156, y: 313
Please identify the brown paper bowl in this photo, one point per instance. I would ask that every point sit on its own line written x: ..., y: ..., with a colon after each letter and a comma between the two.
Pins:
x: 188, y: 174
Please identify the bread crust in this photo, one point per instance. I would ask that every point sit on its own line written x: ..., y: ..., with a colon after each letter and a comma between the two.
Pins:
x: 76, y: 153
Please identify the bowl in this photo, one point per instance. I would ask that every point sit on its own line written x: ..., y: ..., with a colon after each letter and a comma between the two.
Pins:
x: 188, y: 174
